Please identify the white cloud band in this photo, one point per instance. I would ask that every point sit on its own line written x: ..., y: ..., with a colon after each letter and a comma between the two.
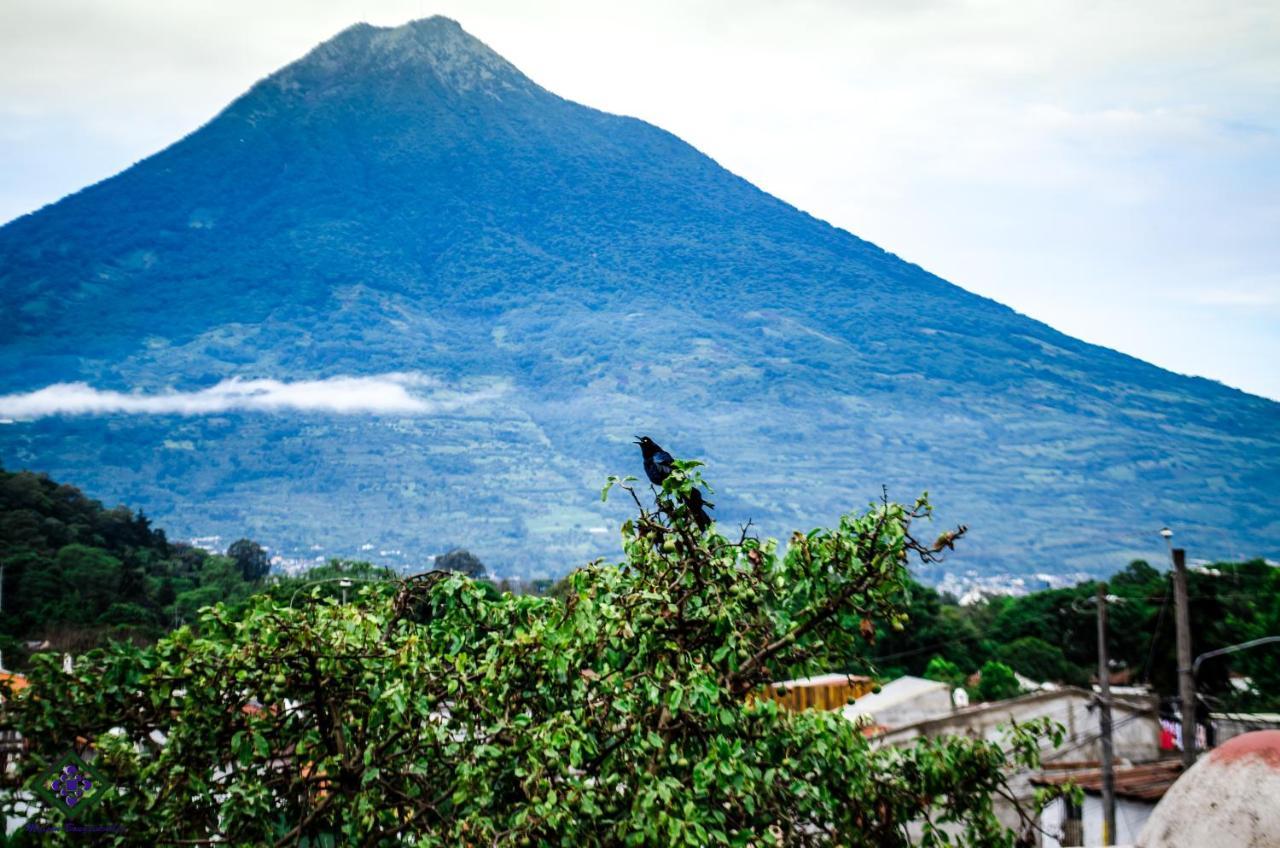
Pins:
x: 394, y: 393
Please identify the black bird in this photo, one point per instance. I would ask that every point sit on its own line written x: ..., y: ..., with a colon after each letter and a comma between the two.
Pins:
x: 658, y: 465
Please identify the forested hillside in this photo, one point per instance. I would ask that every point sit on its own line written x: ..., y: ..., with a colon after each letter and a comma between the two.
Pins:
x: 76, y: 572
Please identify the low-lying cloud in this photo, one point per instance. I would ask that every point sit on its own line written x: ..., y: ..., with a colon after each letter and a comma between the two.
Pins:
x: 394, y: 393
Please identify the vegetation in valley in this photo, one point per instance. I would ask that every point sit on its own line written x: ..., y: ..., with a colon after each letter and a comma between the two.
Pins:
x: 76, y: 574
x: 436, y: 710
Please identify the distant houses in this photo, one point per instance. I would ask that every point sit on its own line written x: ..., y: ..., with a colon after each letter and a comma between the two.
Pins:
x: 908, y: 708
x: 10, y: 741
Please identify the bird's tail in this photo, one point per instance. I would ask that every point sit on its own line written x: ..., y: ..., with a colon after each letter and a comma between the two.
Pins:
x: 697, y: 508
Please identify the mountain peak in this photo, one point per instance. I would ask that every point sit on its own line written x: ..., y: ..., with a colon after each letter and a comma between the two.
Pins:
x: 437, y: 44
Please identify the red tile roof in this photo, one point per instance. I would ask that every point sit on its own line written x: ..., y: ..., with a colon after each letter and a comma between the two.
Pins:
x: 16, y: 681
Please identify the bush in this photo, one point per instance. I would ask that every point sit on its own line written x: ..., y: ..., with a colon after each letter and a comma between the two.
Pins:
x: 944, y: 671
x: 431, y: 709
x: 997, y: 682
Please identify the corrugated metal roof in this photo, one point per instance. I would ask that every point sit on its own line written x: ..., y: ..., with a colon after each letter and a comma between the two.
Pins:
x: 1247, y: 718
x: 1147, y: 782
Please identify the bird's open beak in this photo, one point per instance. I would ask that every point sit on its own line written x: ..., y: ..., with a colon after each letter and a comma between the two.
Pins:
x: 637, y: 439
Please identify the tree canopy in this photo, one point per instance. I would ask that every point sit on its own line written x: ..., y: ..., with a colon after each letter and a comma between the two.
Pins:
x: 250, y: 558
x: 996, y: 682
x: 1051, y: 635
x: 436, y: 711
x: 76, y: 573
x: 461, y: 561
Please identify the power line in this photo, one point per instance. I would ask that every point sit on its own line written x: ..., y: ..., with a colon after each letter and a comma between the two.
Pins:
x: 1155, y: 636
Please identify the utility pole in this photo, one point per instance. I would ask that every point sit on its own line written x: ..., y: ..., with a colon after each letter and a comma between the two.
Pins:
x: 1186, y: 679
x: 1104, y: 718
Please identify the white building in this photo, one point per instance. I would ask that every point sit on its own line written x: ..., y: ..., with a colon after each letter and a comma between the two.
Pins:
x: 1135, y: 723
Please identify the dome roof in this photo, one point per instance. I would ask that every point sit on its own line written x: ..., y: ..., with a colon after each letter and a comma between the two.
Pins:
x: 1228, y: 799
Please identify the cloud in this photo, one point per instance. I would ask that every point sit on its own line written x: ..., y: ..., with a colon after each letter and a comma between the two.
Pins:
x: 394, y: 393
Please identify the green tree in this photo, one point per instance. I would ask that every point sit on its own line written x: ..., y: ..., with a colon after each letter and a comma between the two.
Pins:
x: 252, y: 560
x: 944, y: 671
x: 92, y: 575
x: 938, y: 627
x: 223, y: 574
x: 1040, y: 661
x: 996, y: 682
x: 461, y: 561
x: 435, y: 711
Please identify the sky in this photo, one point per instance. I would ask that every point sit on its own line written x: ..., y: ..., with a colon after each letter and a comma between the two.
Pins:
x: 1112, y: 169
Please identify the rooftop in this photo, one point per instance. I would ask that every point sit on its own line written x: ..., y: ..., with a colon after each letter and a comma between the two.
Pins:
x: 822, y: 680
x: 1147, y: 782
x: 892, y: 694
x: 16, y: 681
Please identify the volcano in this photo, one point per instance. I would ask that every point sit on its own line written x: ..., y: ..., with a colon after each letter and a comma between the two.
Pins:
x: 547, y: 280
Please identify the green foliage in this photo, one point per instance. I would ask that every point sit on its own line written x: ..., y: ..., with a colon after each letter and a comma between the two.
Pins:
x: 461, y: 561
x: 944, y: 671
x: 1051, y: 635
x: 996, y: 682
x: 435, y: 711
x: 76, y: 574
x: 251, y: 559
x: 1040, y: 661
x: 938, y: 627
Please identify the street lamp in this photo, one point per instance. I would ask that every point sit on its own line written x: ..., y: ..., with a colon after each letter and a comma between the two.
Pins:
x: 1167, y: 535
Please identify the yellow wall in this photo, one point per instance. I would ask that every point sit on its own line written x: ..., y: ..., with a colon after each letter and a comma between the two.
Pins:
x: 822, y: 697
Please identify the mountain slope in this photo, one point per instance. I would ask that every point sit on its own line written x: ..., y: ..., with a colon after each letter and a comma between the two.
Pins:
x: 404, y: 200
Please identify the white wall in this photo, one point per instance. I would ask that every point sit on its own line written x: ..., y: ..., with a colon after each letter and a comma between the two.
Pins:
x: 1136, y: 729
x: 1130, y: 817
